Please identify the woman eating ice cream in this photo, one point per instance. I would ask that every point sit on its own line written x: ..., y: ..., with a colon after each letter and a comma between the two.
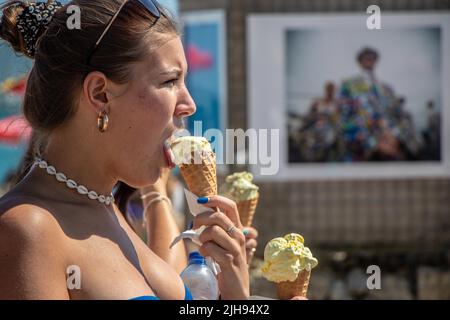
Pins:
x: 106, y: 98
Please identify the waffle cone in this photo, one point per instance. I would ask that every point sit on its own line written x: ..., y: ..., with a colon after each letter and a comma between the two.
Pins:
x: 286, y: 290
x: 247, y: 210
x: 201, y: 178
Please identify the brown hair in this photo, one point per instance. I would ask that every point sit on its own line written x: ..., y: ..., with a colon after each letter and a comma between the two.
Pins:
x: 60, y: 64
x: 366, y: 51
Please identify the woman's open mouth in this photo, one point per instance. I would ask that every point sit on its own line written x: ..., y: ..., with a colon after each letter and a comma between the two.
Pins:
x: 170, y: 158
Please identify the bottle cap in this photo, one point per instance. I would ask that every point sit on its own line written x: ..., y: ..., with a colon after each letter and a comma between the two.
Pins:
x: 196, y: 258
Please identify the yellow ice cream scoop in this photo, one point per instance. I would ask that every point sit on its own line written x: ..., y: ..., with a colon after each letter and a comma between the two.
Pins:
x: 239, y: 187
x: 285, y: 257
x: 185, y: 149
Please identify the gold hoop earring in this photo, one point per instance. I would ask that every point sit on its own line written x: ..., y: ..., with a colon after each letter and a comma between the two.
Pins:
x: 102, y: 121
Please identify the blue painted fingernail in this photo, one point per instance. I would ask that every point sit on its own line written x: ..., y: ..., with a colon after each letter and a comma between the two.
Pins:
x: 245, y: 232
x: 203, y: 200
x: 191, y: 225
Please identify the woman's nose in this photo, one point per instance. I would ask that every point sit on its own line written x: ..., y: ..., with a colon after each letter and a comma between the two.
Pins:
x: 186, y: 105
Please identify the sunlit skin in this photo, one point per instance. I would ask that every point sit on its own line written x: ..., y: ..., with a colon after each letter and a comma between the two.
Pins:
x: 46, y: 227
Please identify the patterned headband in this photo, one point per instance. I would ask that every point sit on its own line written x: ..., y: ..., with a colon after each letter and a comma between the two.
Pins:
x: 33, y: 19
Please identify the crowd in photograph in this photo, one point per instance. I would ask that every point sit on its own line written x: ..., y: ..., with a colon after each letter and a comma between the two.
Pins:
x: 362, y: 120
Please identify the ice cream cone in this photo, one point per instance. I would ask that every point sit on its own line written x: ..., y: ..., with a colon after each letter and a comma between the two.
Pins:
x: 201, y: 178
x: 286, y: 290
x: 288, y: 263
x: 246, y: 209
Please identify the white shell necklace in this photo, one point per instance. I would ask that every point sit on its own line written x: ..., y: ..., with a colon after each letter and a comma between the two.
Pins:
x: 71, y: 184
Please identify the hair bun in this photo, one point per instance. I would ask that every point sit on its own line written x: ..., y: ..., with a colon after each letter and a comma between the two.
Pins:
x: 24, y: 22
x: 8, y: 25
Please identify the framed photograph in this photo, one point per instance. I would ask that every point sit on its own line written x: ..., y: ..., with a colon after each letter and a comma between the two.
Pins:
x: 350, y: 102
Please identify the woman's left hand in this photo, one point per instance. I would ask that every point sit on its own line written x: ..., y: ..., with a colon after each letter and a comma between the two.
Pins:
x: 224, y: 241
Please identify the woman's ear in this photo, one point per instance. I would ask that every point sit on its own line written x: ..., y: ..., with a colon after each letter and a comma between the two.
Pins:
x: 94, y: 91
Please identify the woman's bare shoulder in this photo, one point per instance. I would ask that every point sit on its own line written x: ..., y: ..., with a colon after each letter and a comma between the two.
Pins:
x: 30, y: 252
x: 26, y: 218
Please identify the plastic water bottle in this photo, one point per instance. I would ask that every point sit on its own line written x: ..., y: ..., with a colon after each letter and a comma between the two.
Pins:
x: 200, y: 279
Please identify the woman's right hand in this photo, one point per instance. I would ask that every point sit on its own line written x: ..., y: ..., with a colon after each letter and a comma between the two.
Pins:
x: 224, y: 241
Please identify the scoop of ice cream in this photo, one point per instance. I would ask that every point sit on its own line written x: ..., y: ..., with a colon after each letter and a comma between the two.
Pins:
x: 285, y: 257
x: 186, y: 147
x: 239, y: 187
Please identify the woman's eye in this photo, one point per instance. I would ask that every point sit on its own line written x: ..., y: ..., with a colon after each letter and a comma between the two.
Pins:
x: 171, y: 82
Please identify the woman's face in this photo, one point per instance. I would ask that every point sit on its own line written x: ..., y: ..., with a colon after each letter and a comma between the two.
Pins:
x: 148, y: 112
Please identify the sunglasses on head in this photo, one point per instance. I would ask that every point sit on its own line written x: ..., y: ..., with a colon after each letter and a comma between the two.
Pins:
x: 150, y: 5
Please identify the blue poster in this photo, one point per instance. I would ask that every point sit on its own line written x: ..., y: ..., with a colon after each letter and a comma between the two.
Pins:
x: 205, y: 52
x: 201, y: 45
